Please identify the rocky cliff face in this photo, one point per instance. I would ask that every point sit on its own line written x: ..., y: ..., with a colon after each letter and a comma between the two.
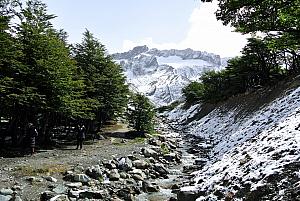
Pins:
x: 161, y: 74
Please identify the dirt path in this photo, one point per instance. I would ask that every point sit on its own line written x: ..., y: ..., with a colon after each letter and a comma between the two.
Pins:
x: 14, y: 171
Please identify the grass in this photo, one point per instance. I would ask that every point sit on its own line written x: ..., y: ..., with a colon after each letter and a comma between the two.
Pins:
x: 48, y: 169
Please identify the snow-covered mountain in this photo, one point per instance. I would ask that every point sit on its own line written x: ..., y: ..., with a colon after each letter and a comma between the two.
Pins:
x: 161, y: 74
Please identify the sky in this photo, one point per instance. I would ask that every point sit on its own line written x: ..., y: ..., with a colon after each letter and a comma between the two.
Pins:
x: 164, y: 24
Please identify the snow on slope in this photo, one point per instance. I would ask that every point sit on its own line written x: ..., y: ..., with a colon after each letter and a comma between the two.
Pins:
x: 254, y: 157
x: 161, y: 74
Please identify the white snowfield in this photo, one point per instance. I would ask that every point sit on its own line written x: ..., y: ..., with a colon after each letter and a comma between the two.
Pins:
x: 248, y: 150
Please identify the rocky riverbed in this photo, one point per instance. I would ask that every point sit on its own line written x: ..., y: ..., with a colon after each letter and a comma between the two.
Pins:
x: 110, y: 169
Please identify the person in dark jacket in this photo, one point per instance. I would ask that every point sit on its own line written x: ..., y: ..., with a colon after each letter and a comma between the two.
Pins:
x: 80, y: 136
x: 32, y: 131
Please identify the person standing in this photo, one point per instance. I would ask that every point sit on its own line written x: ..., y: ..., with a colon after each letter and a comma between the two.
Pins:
x: 80, y: 136
x: 32, y: 131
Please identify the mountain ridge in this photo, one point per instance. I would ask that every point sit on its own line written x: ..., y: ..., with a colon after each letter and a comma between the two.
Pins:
x: 161, y: 74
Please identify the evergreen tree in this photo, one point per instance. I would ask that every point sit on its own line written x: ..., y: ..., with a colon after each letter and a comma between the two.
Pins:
x: 141, y: 113
x: 103, y: 78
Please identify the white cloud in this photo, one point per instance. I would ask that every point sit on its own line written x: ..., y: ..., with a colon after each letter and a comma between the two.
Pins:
x: 205, y: 34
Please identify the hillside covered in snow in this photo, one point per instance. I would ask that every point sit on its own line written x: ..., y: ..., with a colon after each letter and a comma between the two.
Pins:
x: 254, y: 152
x: 161, y: 74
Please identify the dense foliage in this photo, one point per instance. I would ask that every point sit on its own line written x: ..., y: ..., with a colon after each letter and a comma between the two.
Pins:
x: 141, y: 113
x: 45, y: 81
x: 271, y: 54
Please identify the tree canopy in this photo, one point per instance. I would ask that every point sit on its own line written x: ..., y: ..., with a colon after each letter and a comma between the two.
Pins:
x: 45, y: 81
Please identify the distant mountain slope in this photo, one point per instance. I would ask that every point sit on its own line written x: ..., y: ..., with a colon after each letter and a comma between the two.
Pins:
x: 161, y: 74
x: 255, y: 152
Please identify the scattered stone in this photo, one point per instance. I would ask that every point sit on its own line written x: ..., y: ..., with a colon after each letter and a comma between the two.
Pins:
x: 81, y: 178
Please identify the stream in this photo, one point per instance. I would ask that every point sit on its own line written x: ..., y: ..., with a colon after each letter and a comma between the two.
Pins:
x: 192, y: 159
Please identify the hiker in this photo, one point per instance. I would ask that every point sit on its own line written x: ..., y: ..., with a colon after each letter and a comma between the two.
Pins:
x: 80, y: 136
x: 32, y: 137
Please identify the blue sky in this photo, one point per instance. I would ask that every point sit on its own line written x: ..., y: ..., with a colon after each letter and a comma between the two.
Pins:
x: 123, y: 24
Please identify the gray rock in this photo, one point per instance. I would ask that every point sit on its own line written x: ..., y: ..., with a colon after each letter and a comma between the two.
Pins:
x: 138, y: 172
x: 190, y: 195
x: 125, y: 164
x: 6, y: 191
x: 79, y: 169
x: 51, y: 179
x: 81, y: 178
x: 60, y: 189
x: 94, y: 172
x: 137, y: 177
x: 114, y: 175
x: 149, y: 152
x: 60, y: 198
x: 133, y: 157
x: 75, y: 193
x: 17, y: 198
x: 5, y: 197
x: 148, y: 187
x: 123, y: 175
x: 92, y: 195
x: 34, y: 179
x: 109, y: 165
x: 74, y: 185
x: 47, y: 195
x: 170, y: 157
x: 140, y: 164
x: 160, y: 169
